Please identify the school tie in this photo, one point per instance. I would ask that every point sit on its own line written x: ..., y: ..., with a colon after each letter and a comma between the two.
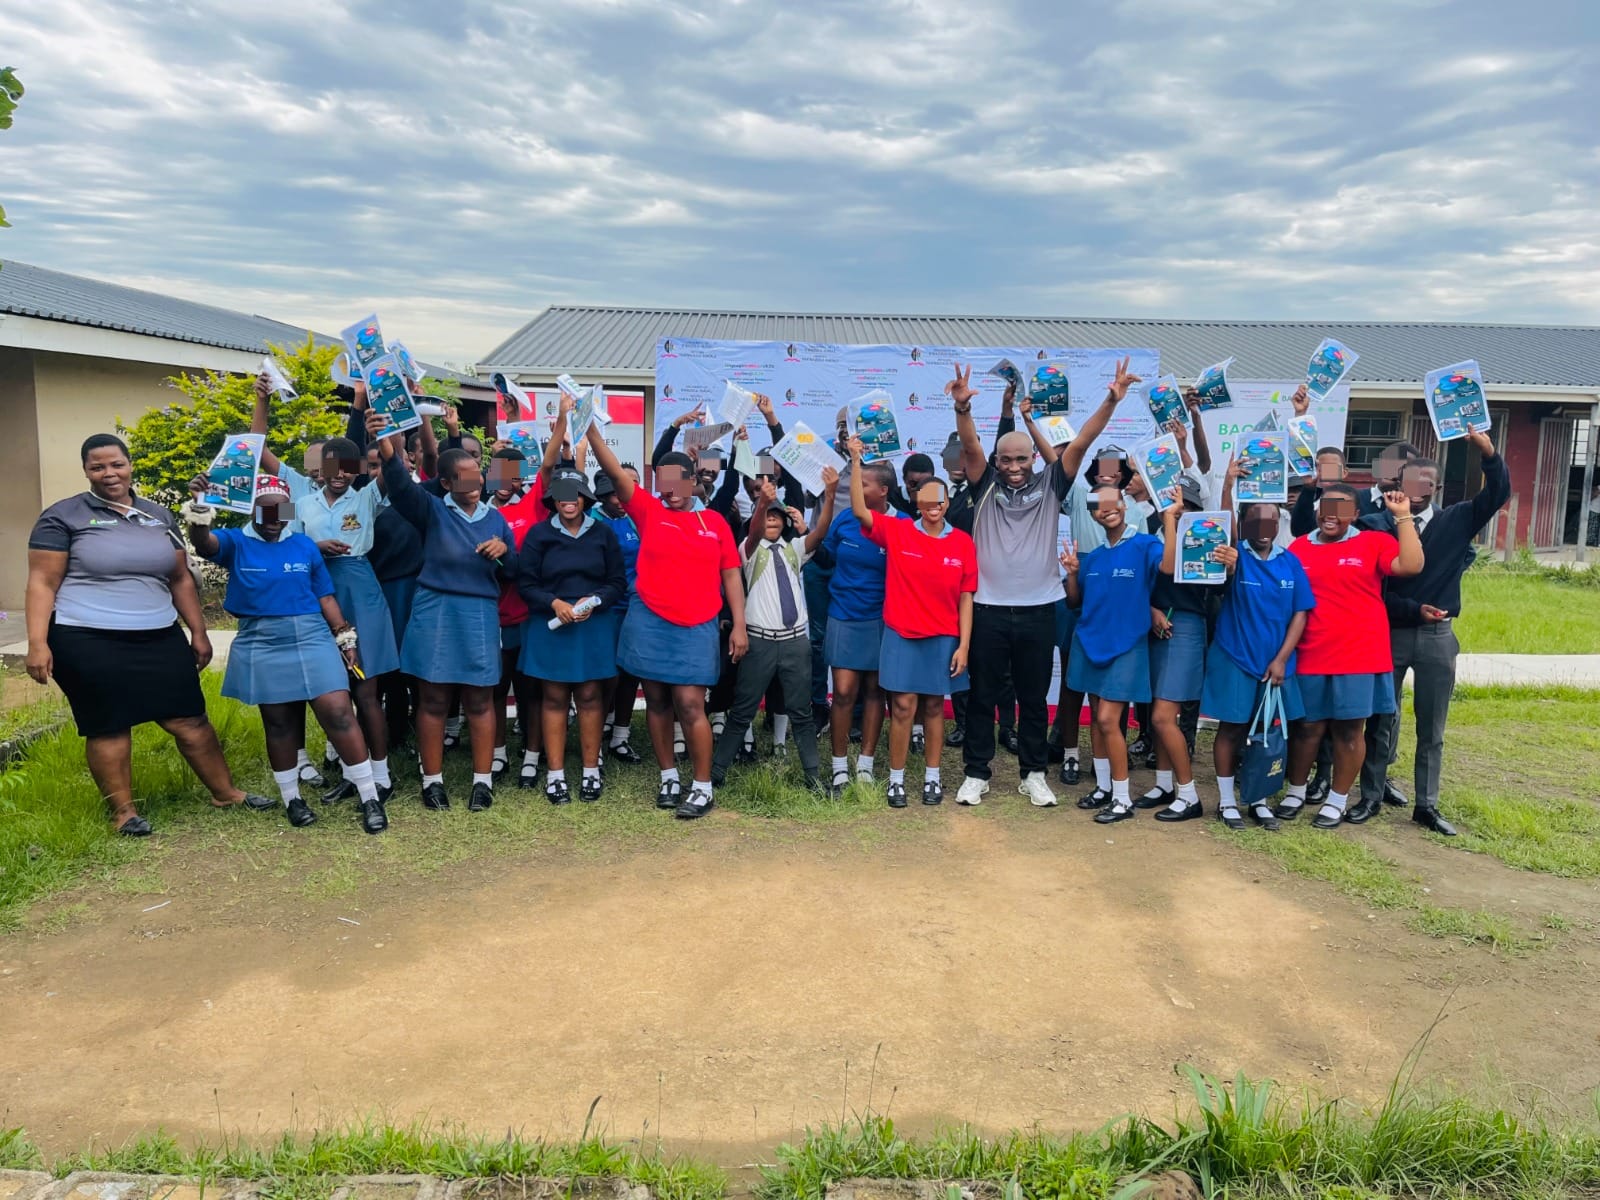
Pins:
x: 786, y: 605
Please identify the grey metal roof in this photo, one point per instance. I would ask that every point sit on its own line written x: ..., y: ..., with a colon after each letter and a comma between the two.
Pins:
x: 595, y: 338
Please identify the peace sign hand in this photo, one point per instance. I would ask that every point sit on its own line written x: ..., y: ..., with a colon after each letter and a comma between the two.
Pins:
x: 1124, y: 380
x: 960, y: 389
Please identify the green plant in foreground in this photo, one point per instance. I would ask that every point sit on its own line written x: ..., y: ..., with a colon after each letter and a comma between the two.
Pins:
x: 17, y: 1153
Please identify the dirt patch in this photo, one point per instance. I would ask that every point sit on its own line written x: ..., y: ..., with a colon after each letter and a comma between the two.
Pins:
x: 1004, y: 969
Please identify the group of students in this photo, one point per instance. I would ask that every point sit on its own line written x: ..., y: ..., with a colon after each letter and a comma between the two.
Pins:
x: 393, y: 585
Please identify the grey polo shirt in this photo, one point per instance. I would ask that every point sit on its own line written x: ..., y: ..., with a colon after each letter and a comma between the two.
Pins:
x: 118, y: 567
x: 1016, y: 531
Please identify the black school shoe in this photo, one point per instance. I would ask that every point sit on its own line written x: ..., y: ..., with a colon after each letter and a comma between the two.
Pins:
x: 1098, y: 798
x: 1192, y: 811
x: 342, y: 790
x: 1008, y: 739
x: 373, y: 818
x: 589, y: 789
x: 1363, y: 811
x: 1328, y: 821
x: 1162, y: 798
x: 955, y: 736
x: 1319, y: 787
x: 557, y: 792
x: 670, y: 795
x: 1235, y: 822
x: 1117, y: 812
x: 897, y: 795
x: 624, y: 752
x: 1430, y: 820
x: 528, y: 777
x: 695, y: 804
x: 836, y: 788
x: 932, y: 792
x: 385, y: 793
x: 135, y: 826
x: 1069, y: 772
x: 1263, y: 816
x: 299, y: 814
x: 482, y: 797
x: 919, y: 742
x: 435, y: 798
x: 1393, y: 796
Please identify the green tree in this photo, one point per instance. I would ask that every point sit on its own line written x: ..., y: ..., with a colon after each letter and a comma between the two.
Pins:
x: 10, y: 93
x: 171, y: 445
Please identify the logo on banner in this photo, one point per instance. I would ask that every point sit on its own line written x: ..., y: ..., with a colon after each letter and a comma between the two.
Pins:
x: 788, y: 399
x: 911, y: 400
x: 916, y: 354
x: 789, y: 353
x: 667, y: 349
x: 666, y: 392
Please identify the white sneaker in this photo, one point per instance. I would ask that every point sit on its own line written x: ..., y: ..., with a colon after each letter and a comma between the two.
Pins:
x: 972, y: 791
x: 1037, y: 790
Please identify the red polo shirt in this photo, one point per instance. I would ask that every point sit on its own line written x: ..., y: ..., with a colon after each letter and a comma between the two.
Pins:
x: 1347, y: 633
x: 925, y: 577
x: 521, y: 514
x: 682, y: 555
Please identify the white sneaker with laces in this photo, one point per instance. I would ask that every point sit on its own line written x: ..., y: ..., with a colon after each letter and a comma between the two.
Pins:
x: 972, y: 791
x: 1038, y: 792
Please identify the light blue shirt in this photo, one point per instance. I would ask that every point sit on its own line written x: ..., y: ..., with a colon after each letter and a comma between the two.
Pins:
x: 477, y: 514
x: 350, y: 519
x: 588, y: 520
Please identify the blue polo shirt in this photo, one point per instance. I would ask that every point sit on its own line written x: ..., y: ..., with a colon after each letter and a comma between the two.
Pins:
x: 855, y: 593
x: 1262, y: 596
x: 285, y: 578
x: 628, y: 539
x: 1116, y: 582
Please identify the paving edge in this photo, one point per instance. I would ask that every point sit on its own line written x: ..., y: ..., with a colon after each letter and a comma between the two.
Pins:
x: 114, y: 1185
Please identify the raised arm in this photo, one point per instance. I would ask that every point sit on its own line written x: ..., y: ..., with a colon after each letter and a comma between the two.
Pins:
x: 409, y: 500
x: 1235, y: 471
x: 1070, y: 584
x: 1202, y: 448
x: 608, y: 463
x: 260, y: 419
x: 669, y: 435
x: 961, y: 393
x: 858, y: 494
x: 830, y: 481
x: 1409, y: 560
x: 1169, y: 552
x: 1072, y: 454
x: 1040, y: 442
x: 1496, y: 489
x: 558, y: 434
x: 766, y: 497
x: 356, y: 427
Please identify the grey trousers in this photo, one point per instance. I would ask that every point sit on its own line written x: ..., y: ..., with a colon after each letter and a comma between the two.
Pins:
x: 1429, y: 653
x: 790, y: 661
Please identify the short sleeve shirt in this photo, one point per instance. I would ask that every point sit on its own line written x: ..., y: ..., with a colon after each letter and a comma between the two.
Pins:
x: 1260, y: 600
x: 1116, y: 582
x: 1347, y: 632
x: 351, y: 518
x: 119, y: 566
x: 285, y: 578
x: 1015, y: 532
x: 682, y: 554
x: 926, y: 577
x: 855, y: 593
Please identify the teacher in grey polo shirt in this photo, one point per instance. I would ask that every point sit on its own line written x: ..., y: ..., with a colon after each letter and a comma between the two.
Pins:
x: 107, y: 581
x: 1015, y: 524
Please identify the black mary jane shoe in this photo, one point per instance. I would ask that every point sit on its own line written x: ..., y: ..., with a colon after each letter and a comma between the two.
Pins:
x: 1288, y: 812
x: 746, y: 755
x: 1069, y: 772
x: 624, y: 752
x: 342, y: 790
x: 135, y: 826
x: 1430, y: 820
x: 1008, y: 739
x: 300, y: 814
x: 1192, y: 811
x: 589, y: 789
x: 1263, y: 816
x: 695, y: 805
x: 435, y: 798
x: 311, y: 778
x: 955, y: 736
x: 1328, y: 821
x: 1098, y: 798
x: 1319, y: 787
x: 670, y: 795
x: 256, y: 802
x: 482, y: 797
x: 1231, y: 818
x: 557, y: 793
x: 837, y: 787
x: 897, y: 795
x: 385, y: 793
x: 1162, y: 798
x: 1117, y: 812
x: 919, y: 742
x: 373, y: 818
x: 528, y: 777
x: 932, y: 793
x: 1363, y: 811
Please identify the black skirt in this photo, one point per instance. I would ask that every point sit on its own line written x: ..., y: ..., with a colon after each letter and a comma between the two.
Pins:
x: 118, y: 678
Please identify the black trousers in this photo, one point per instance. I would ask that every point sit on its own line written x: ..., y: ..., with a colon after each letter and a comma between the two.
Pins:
x: 1019, y: 641
x: 769, y: 661
x: 1007, y: 706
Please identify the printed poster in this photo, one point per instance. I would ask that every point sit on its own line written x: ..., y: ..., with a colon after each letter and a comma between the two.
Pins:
x: 364, y: 342
x: 1330, y: 363
x: 278, y: 377
x: 1455, y: 399
x: 1212, y: 385
x: 803, y: 454
x: 737, y: 405
x: 524, y: 436
x: 1057, y: 430
x: 388, y: 394
x: 1198, y: 535
x: 231, y: 479
x: 1008, y: 373
x: 698, y: 437
x: 1265, y: 461
x: 1161, y: 464
x: 1165, y: 398
x: 1049, y: 391
x: 871, y: 418
x: 411, y: 368
x: 1303, y: 445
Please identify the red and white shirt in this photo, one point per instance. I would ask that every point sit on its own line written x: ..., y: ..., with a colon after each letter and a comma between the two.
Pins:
x: 1347, y: 633
x: 682, y: 554
x: 925, y: 578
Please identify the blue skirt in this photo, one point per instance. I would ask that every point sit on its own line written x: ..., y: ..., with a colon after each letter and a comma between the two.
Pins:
x: 573, y: 653
x: 855, y: 645
x: 1231, y: 695
x: 1066, y: 625
x: 511, y: 637
x: 1346, y: 697
x: 361, y: 601
x: 452, y: 639
x: 277, y: 660
x: 1178, y: 663
x: 653, y: 648
x: 398, y: 594
x: 1125, y: 678
x: 920, y: 665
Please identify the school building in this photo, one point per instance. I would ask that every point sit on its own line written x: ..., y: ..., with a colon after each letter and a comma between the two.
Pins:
x: 1542, y: 381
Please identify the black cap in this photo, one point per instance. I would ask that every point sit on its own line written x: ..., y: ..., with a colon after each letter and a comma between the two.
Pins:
x: 1191, y: 493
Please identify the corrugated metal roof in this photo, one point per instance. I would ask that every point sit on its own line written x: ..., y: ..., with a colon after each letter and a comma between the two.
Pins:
x: 593, y: 339
x: 31, y: 291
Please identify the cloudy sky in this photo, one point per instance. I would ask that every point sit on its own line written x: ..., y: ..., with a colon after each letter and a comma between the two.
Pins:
x: 458, y: 166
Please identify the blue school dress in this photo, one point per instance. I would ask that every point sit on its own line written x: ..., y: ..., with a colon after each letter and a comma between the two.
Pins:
x: 1110, y: 646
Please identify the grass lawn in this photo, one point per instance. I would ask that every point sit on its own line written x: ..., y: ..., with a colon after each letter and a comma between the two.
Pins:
x: 1533, y: 611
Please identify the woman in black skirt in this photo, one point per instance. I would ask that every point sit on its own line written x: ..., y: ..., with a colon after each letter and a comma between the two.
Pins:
x: 108, y: 579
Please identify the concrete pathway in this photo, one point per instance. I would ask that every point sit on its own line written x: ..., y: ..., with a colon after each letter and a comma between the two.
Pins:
x: 1575, y: 670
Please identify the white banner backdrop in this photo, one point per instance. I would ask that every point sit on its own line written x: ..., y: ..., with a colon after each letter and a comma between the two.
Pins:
x: 810, y: 382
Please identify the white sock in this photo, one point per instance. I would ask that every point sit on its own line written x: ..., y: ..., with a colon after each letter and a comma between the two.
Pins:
x: 591, y: 772
x: 452, y: 726
x: 301, y: 760
x: 1296, y: 794
x: 288, y: 783
x: 619, y: 735
x: 841, y: 766
x: 1337, y: 800
x: 701, y: 785
x: 530, y: 758
x: 916, y: 730
x: 749, y: 737
x: 484, y: 777
x: 930, y: 774
x: 1119, y: 793
x: 863, y: 764
x: 669, y: 775
x: 1102, y: 774
x: 677, y: 733
x: 897, y: 775
x: 1225, y: 791
x: 500, y: 754
x: 360, y: 774
x: 780, y: 729
x: 380, y: 772
x: 1071, y: 754
x: 427, y: 779
x: 1187, y: 795
x: 1164, y: 780
x: 329, y: 754
x: 553, y: 777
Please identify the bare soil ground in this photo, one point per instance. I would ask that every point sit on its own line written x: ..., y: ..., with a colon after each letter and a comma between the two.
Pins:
x: 1002, y: 966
